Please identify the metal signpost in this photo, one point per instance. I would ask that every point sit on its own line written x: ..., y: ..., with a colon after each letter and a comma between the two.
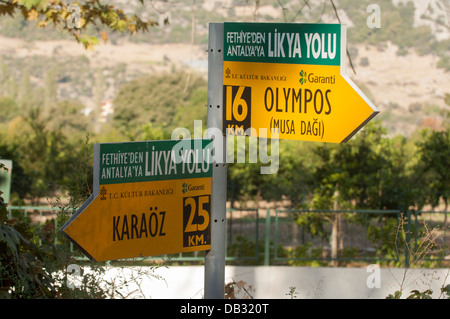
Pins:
x: 275, y: 79
x: 215, y: 257
x: 150, y: 198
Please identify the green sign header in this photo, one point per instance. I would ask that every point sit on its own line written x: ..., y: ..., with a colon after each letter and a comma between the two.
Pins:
x: 131, y: 162
x: 294, y: 43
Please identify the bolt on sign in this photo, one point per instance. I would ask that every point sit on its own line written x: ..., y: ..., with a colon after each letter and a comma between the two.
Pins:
x: 290, y: 80
x: 150, y: 198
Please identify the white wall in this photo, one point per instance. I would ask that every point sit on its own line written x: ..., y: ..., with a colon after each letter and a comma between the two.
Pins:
x: 274, y: 282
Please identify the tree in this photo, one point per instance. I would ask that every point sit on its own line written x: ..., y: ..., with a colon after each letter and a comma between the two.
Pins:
x: 44, y: 153
x: 8, y: 109
x: 293, y: 180
x: 67, y: 117
x: 159, y: 100
x: 75, y: 18
x: 399, y: 188
x: 353, y: 169
x: 349, y: 176
x: 50, y: 91
x: 99, y: 92
x: 21, y: 182
x: 434, y: 166
x: 21, y: 262
x: 5, y: 78
x: 24, y: 92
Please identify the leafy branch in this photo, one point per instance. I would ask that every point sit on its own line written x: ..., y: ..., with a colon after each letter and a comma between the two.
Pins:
x: 75, y: 17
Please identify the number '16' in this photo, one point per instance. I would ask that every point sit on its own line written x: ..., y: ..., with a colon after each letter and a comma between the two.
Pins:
x: 232, y: 106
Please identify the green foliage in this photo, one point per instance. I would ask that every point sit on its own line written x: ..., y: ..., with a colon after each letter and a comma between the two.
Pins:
x: 79, y: 185
x: 370, y: 171
x: 23, y: 274
x: 34, y: 259
x: 66, y: 117
x: 306, y: 255
x: 244, y: 248
x: 353, y: 170
x: 46, y: 153
x: 416, y: 294
x: 43, y: 152
x: 159, y: 100
x: 77, y: 18
x: 195, y: 108
x: 446, y: 290
x: 397, y: 294
x: 8, y: 109
x: 243, y: 180
x: 292, y: 293
x: 384, y: 237
x: 434, y: 166
x: 313, y: 223
x: 397, y: 26
x: 399, y: 154
x: 294, y: 179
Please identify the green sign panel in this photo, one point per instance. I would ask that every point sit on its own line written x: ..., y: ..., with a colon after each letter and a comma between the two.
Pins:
x: 293, y: 43
x: 5, y: 179
x: 133, y: 162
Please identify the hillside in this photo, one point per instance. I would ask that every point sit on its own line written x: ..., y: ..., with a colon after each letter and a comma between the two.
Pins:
x: 406, y: 82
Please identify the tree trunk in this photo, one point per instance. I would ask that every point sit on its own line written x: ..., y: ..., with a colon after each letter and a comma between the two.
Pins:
x: 340, y: 233
x: 334, y: 232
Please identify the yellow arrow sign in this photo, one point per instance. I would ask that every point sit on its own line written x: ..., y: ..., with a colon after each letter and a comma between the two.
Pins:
x: 144, y: 219
x: 291, y: 95
x: 148, y: 203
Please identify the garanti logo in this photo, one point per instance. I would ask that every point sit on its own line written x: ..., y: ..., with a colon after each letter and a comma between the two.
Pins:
x: 190, y: 187
x: 303, y: 78
x: 316, y: 79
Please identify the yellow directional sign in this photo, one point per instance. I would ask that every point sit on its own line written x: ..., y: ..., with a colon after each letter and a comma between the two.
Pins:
x: 151, y: 199
x: 289, y: 81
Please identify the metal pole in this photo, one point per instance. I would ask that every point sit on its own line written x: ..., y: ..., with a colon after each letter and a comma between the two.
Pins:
x: 215, y: 258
